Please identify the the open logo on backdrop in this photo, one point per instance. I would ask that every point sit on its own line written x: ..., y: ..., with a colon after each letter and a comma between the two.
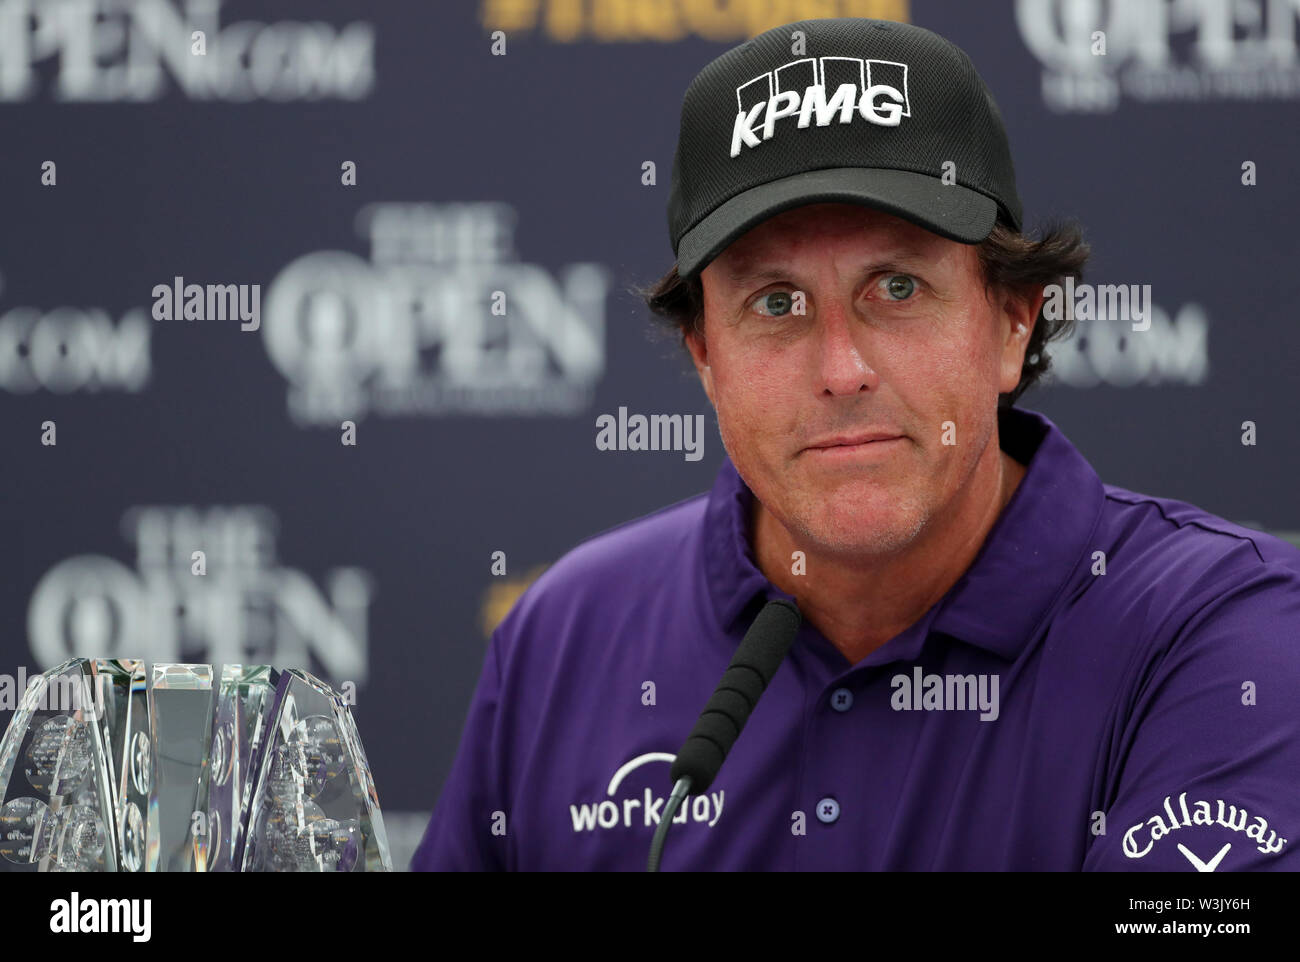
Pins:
x: 443, y: 319
x: 1095, y: 53
x: 113, y: 51
x: 236, y: 605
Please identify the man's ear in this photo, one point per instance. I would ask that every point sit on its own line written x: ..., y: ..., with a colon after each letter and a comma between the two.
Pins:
x: 1019, y: 314
x: 699, y: 349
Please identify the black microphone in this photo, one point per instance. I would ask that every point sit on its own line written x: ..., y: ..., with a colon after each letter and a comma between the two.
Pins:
x: 760, y: 654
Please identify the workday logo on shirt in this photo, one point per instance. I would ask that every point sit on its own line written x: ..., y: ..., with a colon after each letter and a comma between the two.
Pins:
x: 875, y: 90
x: 624, y: 808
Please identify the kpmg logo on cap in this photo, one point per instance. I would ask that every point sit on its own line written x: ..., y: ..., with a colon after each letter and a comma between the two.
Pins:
x: 875, y: 90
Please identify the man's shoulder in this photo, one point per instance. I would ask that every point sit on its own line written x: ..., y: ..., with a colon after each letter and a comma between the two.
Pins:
x: 1168, y: 521
x: 1189, y: 549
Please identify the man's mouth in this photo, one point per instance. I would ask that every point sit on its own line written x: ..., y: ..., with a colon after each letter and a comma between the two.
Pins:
x: 859, y: 444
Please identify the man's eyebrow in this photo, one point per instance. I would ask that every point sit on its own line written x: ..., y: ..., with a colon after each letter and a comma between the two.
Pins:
x: 760, y: 272
x: 739, y: 275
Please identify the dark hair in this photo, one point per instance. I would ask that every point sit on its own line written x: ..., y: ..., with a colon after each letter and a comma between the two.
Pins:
x: 1012, y: 262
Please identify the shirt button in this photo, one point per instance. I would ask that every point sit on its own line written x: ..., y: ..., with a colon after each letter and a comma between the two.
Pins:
x: 828, y: 810
x: 841, y: 699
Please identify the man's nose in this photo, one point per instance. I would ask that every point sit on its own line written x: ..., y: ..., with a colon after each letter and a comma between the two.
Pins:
x: 843, y: 368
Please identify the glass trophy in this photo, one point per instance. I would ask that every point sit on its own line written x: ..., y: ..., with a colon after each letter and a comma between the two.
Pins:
x: 110, y: 766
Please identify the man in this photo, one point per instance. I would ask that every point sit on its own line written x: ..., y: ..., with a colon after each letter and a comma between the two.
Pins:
x: 1003, y: 662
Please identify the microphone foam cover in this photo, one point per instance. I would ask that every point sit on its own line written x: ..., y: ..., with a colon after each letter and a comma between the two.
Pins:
x: 752, y: 667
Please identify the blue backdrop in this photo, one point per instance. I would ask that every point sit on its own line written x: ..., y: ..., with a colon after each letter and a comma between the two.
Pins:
x: 438, y: 238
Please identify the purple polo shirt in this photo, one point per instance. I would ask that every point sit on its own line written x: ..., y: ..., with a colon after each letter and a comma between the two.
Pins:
x: 1113, y: 684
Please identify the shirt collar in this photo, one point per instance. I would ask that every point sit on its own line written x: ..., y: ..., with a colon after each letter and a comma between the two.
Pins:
x: 1013, y: 583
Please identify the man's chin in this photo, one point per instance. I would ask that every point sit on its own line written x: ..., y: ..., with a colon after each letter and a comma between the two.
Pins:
x: 861, y: 533
x: 855, y: 502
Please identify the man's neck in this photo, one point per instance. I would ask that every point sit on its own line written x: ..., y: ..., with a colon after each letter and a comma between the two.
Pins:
x: 860, y: 606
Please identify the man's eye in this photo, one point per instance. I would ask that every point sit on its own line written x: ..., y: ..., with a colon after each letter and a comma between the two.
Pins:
x: 778, y: 303
x: 898, y: 287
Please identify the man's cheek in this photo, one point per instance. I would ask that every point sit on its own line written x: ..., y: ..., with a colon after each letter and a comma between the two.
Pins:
x: 742, y: 412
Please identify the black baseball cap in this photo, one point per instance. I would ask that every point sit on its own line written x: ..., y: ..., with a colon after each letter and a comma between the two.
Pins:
x: 872, y: 112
